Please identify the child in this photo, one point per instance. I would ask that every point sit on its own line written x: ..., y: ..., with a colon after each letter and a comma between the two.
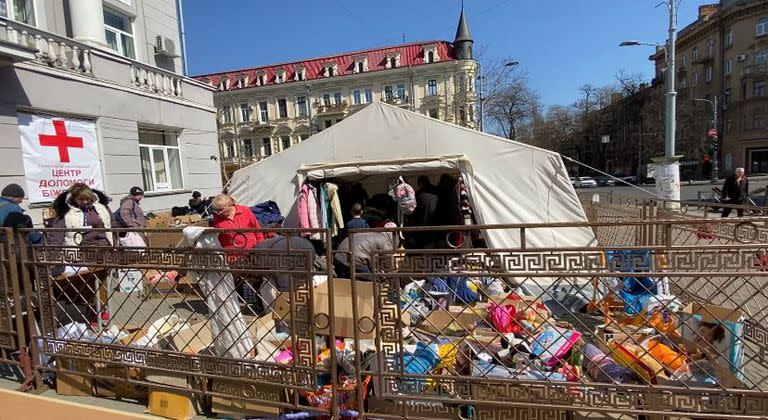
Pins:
x: 357, y: 222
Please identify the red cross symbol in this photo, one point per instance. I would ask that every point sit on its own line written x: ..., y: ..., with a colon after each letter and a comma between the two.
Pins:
x: 61, y: 140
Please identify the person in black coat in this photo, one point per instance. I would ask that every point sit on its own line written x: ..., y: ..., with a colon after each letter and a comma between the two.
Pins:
x: 735, y: 191
x: 426, y: 214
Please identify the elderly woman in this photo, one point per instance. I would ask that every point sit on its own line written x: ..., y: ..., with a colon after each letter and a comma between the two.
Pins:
x: 81, y: 209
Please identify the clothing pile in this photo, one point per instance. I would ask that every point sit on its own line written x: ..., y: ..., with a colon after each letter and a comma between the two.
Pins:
x: 320, y: 208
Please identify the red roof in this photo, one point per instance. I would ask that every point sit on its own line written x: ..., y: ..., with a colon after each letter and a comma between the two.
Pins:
x: 411, y: 54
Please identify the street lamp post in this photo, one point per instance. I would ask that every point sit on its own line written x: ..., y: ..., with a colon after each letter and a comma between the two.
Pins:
x: 668, y: 167
x: 481, y: 78
x: 713, y: 104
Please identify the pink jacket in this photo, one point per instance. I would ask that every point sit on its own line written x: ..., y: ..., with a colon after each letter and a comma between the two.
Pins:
x: 308, y: 208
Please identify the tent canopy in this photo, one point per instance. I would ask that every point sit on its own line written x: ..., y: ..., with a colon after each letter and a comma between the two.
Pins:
x: 508, y: 182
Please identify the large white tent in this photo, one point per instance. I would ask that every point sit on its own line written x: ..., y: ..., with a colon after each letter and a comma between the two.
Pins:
x: 508, y: 182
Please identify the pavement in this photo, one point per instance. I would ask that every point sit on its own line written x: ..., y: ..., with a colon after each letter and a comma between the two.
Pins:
x: 688, y: 190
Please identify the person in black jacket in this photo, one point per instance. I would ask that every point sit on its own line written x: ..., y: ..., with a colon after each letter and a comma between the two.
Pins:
x: 735, y: 191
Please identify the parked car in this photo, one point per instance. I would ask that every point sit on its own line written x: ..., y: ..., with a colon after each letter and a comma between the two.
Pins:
x: 605, y: 181
x: 585, y: 182
x: 629, y: 180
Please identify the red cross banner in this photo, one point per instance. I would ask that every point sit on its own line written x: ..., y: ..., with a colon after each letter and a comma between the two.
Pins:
x: 58, y: 152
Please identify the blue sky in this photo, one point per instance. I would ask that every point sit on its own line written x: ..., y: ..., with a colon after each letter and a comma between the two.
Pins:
x: 561, y: 44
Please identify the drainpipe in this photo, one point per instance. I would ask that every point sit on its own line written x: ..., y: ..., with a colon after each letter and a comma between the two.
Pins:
x: 183, y: 38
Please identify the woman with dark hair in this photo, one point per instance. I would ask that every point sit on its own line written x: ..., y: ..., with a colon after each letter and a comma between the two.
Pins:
x: 81, y: 209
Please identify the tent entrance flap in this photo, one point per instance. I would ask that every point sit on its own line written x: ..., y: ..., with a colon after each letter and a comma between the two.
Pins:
x: 449, y: 163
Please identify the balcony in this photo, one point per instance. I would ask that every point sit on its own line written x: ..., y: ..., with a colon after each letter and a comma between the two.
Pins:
x: 322, y: 109
x: 704, y: 60
x: 754, y: 71
x: 76, y: 59
x: 404, y: 101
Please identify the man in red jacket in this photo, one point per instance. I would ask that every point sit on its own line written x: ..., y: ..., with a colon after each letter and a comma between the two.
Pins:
x: 228, y: 215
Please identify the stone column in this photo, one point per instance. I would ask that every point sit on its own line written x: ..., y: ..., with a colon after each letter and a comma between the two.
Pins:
x: 88, y: 22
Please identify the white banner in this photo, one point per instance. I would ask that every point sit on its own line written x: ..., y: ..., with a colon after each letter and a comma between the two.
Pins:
x: 58, y: 152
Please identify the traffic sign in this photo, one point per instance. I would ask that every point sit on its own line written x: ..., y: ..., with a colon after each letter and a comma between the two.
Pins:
x: 712, y: 132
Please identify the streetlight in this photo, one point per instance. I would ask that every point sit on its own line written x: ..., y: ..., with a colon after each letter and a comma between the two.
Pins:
x: 482, y: 78
x: 668, y: 183
x: 713, y: 104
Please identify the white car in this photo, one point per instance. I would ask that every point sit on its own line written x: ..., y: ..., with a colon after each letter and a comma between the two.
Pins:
x: 585, y: 182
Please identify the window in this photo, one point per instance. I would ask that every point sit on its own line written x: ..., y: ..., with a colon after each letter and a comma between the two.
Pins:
x: 710, y: 48
x: 230, y: 150
x: 709, y: 73
x: 431, y: 57
x: 762, y: 26
x: 328, y: 123
x: 248, y: 148
x: 695, y: 79
x: 337, y: 98
x: 263, y: 112
x: 727, y: 96
x: 261, y: 79
x: 285, y: 142
x: 729, y: 38
x: 327, y: 99
x: 683, y: 61
x: 245, y: 112
x: 761, y: 57
x: 266, y: 147
x: 226, y: 115
x: 393, y: 62
x: 401, y: 92
x: 463, y: 115
x: 728, y: 66
x: 160, y: 160
x: 299, y: 76
x: 303, y: 137
x: 388, y: 93
x: 19, y: 10
x: 432, y: 87
x: 758, y: 88
x: 301, y: 106
x: 434, y: 113
x: 368, y: 96
x: 357, y: 97
x: 223, y: 83
x: 280, y: 76
x: 282, y: 108
x: 758, y: 121
x: 695, y: 54
x: 119, y: 33
x: 242, y: 82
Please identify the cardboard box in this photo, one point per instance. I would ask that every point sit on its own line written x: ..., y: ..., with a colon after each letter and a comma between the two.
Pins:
x: 456, y: 319
x: 119, y: 388
x: 163, y: 239
x: 177, y: 404
x: 240, y: 407
x: 70, y: 379
x: 345, y: 325
x: 197, y: 337
x: 133, y: 337
x: 170, y: 405
x: 193, y: 339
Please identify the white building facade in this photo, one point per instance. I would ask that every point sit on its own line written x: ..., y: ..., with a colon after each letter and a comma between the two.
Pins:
x: 112, y: 69
x: 264, y: 110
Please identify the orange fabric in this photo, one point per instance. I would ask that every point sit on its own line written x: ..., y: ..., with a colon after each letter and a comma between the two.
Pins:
x: 668, y: 357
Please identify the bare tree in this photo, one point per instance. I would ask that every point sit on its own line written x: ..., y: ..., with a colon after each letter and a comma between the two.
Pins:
x: 629, y: 83
x: 510, y: 104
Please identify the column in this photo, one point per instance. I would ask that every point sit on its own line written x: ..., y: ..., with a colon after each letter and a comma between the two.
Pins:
x: 88, y: 22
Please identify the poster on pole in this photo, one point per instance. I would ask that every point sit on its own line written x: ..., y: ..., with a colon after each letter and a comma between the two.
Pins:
x: 668, y: 181
x: 58, y: 152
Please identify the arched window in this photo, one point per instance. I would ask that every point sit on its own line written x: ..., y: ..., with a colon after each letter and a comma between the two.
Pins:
x: 762, y: 26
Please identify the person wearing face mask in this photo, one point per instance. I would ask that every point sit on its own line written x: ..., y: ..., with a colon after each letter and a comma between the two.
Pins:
x: 81, y: 209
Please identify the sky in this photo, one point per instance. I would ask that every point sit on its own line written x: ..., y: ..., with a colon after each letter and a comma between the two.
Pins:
x: 560, y: 44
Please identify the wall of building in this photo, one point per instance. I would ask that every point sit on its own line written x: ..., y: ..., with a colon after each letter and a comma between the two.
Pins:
x: 119, y: 115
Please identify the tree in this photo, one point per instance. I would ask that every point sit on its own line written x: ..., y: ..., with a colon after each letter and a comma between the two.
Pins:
x: 629, y: 83
x: 511, y: 106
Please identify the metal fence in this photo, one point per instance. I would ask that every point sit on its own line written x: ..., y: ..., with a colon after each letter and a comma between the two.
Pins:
x: 658, y: 316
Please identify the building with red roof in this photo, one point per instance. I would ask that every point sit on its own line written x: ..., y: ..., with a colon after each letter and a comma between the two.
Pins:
x: 263, y: 110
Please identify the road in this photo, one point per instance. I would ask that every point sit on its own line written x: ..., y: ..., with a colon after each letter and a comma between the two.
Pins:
x: 687, y: 192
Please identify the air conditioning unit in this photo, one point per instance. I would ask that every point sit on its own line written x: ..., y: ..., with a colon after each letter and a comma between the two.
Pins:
x: 741, y: 57
x: 165, y: 46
